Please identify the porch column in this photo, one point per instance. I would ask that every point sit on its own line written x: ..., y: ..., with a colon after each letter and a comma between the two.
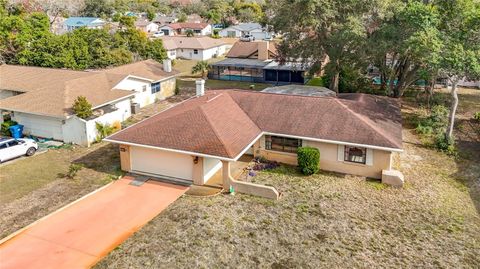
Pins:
x: 227, y: 178
x: 1, y: 116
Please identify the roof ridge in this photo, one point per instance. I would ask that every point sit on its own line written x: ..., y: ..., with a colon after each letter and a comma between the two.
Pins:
x: 364, y: 120
x: 225, y: 148
x: 215, y: 129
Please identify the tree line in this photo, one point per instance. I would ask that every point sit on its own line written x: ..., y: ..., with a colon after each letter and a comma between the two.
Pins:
x: 25, y: 39
x: 407, y: 40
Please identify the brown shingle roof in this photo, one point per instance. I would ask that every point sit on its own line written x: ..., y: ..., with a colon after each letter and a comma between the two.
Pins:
x: 52, y: 92
x: 249, y: 49
x: 183, y: 42
x: 188, y: 25
x: 223, y: 123
x: 212, y: 125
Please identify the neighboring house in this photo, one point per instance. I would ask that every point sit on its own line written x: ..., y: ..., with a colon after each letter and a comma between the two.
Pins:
x: 146, y: 26
x: 181, y: 28
x: 253, y: 29
x: 193, y: 48
x: 355, y: 134
x: 73, y: 23
x: 164, y: 19
x: 41, y: 99
x: 58, y: 24
x: 253, y: 62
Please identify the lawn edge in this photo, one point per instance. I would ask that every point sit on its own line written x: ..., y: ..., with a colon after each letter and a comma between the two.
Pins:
x: 17, y: 232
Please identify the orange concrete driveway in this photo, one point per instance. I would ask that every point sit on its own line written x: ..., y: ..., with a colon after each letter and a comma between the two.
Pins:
x: 79, y: 235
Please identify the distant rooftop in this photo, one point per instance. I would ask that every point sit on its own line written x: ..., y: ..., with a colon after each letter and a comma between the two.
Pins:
x: 301, y: 90
x: 83, y: 21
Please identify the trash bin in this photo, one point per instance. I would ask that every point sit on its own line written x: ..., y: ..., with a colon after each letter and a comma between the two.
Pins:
x: 16, y: 131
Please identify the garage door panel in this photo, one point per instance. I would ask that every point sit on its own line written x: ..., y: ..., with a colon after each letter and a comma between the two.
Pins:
x: 162, y: 163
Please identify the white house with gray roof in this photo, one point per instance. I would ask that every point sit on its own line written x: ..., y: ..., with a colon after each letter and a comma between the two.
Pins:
x: 254, y: 29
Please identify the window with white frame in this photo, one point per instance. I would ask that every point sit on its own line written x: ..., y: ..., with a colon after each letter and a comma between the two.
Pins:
x: 283, y: 144
x: 355, y: 154
x: 195, y: 51
x: 155, y: 87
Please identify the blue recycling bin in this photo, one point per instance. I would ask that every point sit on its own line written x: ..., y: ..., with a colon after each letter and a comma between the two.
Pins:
x: 16, y: 131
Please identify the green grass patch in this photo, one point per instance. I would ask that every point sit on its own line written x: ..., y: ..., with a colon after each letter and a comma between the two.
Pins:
x: 316, y: 81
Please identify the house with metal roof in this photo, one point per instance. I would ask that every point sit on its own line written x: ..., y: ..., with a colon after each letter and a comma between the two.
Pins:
x: 73, y: 23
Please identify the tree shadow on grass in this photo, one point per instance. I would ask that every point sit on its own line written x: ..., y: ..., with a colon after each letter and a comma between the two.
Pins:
x: 468, y: 169
x: 105, y: 159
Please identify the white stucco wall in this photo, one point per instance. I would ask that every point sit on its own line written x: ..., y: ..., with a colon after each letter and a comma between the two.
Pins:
x: 202, y: 54
x: 122, y: 113
x: 159, y: 162
x: 210, y: 167
x: 224, y: 32
x: 43, y: 126
x: 143, y: 96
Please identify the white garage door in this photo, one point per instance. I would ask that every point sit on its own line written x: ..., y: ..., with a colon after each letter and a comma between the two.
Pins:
x: 42, y: 126
x: 162, y: 163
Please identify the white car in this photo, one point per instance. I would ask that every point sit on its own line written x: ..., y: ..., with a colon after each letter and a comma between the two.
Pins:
x: 11, y: 148
x: 158, y: 34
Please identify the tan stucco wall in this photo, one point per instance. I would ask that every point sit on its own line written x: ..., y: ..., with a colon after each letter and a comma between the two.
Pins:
x: 168, y: 88
x: 125, y: 164
x: 197, y: 167
x: 198, y: 172
x: 329, y: 159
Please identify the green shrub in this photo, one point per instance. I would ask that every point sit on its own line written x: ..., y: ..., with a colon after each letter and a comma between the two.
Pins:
x: 476, y: 116
x: 308, y: 160
x: 82, y: 108
x: 435, y: 123
x: 73, y: 169
x: 189, y: 33
x: 444, y: 144
x: 5, y: 129
x: 103, y: 130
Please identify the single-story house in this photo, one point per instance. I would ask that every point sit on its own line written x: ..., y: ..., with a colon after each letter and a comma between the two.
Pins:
x: 355, y: 134
x: 162, y: 19
x: 253, y: 29
x: 73, y: 23
x: 193, y: 48
x: 181, y: 28
x: 146, y: 26
x: 41, y: 99
x: 253, y: 62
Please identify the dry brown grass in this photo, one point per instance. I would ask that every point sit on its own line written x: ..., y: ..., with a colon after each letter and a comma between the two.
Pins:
x: 324, y: 220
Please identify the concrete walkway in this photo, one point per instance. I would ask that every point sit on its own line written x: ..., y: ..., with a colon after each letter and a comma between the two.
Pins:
x: 79, y: 235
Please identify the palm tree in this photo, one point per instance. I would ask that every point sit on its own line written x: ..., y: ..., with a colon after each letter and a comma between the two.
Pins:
x: 201, y: 67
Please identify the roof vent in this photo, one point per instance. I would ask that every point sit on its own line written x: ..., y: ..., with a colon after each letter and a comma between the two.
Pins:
x: 200, y: 87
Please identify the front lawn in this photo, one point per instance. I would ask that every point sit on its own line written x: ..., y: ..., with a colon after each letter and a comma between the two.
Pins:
x: 36, y: 186
x: 326, y: 220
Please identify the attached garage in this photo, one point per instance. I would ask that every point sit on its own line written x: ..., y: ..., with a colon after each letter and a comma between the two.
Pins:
x: 161, y: 163
x: 43, y: 126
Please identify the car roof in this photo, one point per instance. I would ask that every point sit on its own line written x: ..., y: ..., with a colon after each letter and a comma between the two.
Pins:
x: 5, y: 139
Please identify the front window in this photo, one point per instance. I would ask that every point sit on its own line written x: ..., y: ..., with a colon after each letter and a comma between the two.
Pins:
x: 195, y: 51
x: 284, y: 144
x: 355, y: 154
x: 155, y: 87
